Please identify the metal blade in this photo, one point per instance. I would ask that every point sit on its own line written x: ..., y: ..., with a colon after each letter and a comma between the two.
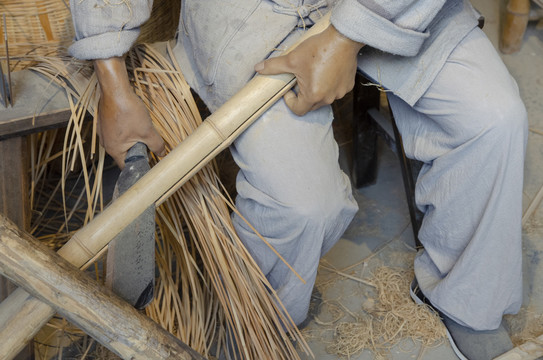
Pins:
x: 3, y: 89
x: 131, y: 255
x: 9, y: 93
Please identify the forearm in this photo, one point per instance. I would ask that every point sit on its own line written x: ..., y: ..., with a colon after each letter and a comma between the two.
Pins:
x: 123, y: 119
x: 105, y: 32
x: 112, y: 76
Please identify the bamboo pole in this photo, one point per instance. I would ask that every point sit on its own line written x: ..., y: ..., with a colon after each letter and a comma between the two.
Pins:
x: 215, y: 134
x: 81, y: 300
x: 514, y: 27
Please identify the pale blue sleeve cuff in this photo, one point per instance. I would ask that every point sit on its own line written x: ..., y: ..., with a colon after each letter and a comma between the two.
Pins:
x: 105, y: 45
x: 103, y: 29
x: 358, y: 23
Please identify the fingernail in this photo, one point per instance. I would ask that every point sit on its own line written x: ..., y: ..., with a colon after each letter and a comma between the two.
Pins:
x: 259, y: 66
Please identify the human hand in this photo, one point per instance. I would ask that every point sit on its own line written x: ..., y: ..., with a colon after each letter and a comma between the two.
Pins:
x: 123, y: 119
x: 324, y: 66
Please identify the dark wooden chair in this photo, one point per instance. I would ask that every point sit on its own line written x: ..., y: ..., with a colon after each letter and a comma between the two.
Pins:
x: 372, y: 119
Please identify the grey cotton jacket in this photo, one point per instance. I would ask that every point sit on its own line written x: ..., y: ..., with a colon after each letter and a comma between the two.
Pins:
x: 408, y: 40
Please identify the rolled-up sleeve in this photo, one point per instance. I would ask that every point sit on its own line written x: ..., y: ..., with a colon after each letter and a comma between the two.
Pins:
x: 104, y: 28
x: 397, y: 27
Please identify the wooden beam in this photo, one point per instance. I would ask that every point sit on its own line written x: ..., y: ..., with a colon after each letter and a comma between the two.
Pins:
x: 83, y: 301
x: 18, y: 312
x: 38, y: 105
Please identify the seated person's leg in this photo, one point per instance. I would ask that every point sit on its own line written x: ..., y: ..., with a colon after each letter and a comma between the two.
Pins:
x: 470, y: 130
x: 290, y: 186
x: 291, y: 189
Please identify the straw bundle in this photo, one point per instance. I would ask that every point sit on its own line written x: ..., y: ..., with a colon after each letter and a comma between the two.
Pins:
x: 241, y: 292
x: 44, y: 27
x: 525, y: 326
x: 207, y: 278
x: 387, y: 321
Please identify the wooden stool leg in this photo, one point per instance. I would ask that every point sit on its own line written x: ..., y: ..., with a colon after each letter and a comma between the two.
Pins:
x: 14, y: 181
x: 516, y: 21
x: 14, y: 201
x: 409, y: 175
x: 364, y: 167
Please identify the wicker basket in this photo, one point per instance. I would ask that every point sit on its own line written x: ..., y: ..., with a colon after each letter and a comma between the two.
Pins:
x: 39, y: 27
x: 44, y: 27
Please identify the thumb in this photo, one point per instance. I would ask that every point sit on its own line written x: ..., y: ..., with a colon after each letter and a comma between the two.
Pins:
x: 156, y: 145
x: 273, y: 66
x: 119, y: 160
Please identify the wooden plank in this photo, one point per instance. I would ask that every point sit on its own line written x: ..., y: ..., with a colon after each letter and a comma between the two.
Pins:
x: 14, y: 181
x: 38, y: 105
x: 27, y: 125
x: 13, y: 191
x: 14, y: 202
x: 83, y: 301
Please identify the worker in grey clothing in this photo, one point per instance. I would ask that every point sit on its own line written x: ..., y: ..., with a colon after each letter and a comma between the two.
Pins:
x: 457, y: 108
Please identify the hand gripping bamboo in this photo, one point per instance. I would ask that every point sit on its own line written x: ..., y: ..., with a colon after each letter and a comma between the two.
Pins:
x: 21, y: 315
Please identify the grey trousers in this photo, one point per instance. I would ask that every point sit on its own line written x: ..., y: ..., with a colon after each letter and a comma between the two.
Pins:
x: 469, y: 128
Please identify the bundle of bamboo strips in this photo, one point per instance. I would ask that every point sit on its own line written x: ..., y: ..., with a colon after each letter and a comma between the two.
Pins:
x: 207, y: 278
x: 240, y: 288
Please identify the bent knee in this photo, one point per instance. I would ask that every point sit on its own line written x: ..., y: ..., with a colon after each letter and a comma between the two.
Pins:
x: 321, y: 210
x: 502, y: 117
x: 327, y: 212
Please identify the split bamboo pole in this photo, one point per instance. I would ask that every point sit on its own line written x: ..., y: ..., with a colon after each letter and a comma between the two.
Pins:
x: 81, y: 300
x: 214, y: 135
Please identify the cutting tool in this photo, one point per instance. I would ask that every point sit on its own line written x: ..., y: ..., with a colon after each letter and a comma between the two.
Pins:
x: 131, y: 254
x: 5, y: 90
